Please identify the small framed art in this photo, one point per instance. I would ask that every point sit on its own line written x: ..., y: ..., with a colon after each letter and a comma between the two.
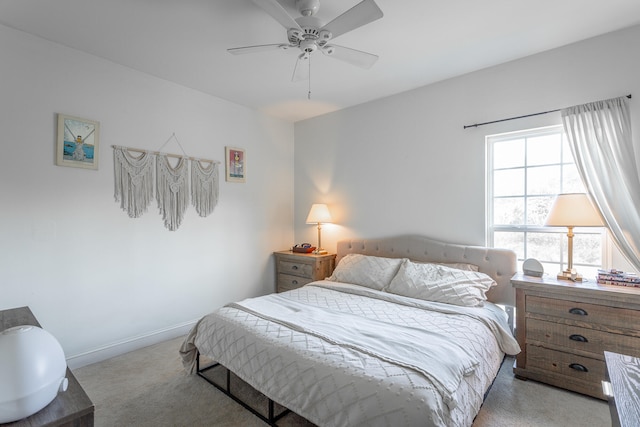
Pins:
x: 236, y: 164
x: 77, y: 142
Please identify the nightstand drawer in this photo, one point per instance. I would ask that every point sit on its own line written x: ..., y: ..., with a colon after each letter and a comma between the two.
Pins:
x: 583, y: 312
x: 286, y: 282
x: 296, y: 268
x: 583, y: 369
x: 579, y: 338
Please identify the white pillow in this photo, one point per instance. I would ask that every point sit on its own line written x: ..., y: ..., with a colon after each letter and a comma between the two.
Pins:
x: 434, y: 282
x: 460, y: 265
x: 366, y: 270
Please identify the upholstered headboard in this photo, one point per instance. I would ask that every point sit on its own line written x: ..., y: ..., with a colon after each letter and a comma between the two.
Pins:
x: 500, y: 264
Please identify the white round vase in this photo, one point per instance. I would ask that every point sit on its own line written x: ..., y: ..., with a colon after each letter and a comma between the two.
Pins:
x: 32, y: 369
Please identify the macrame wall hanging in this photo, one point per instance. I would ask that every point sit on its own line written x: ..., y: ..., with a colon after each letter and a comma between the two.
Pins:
x: 172, y: 190
x: 204, y: 187
x: 133, y: 183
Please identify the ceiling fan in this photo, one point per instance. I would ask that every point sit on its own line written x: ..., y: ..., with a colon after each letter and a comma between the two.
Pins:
x: 308, y: 34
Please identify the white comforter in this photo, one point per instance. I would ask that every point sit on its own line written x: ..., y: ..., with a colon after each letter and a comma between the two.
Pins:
x: 318, y: 368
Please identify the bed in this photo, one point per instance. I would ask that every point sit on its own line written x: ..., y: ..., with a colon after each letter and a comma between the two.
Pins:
x: 407, y: 331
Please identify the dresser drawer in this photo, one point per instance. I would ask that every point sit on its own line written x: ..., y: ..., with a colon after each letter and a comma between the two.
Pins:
x: 286, y: 282
x: 579, y: 338
x: 571, y: 367
x: 584, y: 312
x: 296, y: 269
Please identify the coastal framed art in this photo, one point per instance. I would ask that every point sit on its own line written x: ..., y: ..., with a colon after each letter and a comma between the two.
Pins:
x: 77, y: 143
x: 236, y: 164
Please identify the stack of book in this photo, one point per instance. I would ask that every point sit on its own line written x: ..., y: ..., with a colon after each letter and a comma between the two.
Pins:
x: 619, y: 278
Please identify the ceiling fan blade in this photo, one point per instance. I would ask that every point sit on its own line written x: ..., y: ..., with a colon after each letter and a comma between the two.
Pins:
x: 277, y: 12
x: 361, y: 14
x: 258, y: 48
x: 301, y: 70
x: 354, y: 57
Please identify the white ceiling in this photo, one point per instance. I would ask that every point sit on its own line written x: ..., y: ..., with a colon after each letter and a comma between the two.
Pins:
x: 418, y: 41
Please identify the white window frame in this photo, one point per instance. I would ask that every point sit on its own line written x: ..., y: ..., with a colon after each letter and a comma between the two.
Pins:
x: 524, y: 228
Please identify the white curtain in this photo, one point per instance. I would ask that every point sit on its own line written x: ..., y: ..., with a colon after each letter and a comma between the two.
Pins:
x: 600, y: 138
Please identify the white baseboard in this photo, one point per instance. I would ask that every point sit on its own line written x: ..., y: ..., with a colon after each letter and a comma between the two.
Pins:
x: 130, y: 344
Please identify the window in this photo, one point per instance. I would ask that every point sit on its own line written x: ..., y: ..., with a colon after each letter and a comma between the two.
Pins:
x: 525, y: 172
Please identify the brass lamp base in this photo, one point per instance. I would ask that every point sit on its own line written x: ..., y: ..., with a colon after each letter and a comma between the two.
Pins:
x: 320, y: 252
x: 568, y: 275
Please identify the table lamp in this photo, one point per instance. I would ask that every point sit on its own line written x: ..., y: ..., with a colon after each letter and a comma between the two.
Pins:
x: 319, y: 214
x: 572, y: 210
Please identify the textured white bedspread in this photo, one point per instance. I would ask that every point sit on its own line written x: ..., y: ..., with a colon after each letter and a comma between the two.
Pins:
x: 318, y: 371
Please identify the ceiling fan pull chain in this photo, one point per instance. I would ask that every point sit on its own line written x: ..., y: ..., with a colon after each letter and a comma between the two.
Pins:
x: 309, y: 82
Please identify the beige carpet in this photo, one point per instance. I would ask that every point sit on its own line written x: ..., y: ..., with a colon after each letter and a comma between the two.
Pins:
x: 148, y: 387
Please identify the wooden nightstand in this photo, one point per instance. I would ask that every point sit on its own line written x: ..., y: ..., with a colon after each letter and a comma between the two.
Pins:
x: 563, y: 329
x: 296, y: 269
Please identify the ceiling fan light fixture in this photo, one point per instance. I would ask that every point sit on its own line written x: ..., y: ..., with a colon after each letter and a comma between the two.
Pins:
x: 324, y: 35
x: 308, y: 46
x: 328, y: 50
x: 294, y: 35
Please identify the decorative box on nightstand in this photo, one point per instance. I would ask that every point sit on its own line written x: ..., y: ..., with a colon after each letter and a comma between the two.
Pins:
x: 297, y: 269
x: 565, y: 327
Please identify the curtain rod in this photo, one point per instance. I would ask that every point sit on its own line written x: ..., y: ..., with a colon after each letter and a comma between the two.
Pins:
x: 176, y: 156
x: 518, y: 117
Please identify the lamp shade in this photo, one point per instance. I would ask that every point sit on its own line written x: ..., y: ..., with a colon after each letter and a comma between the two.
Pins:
x: 573, y: 210
x: 319, y: 213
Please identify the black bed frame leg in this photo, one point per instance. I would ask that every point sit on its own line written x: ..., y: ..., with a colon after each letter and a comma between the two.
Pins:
x: 272, y: 419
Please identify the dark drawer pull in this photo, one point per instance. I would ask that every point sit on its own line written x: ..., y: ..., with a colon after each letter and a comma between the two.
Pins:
x: 578, y: 367
x: 294, y: 282
x: 294, y: 267
x: 579, y: 338
x: 578, y: 311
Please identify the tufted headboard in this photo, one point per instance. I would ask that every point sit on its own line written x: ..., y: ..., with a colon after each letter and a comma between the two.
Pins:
x: 500, y: 264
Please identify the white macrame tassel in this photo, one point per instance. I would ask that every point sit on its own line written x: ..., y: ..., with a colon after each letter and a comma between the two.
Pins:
x: 204, y: 187
x: 133, y: 181
x: 172, y: 191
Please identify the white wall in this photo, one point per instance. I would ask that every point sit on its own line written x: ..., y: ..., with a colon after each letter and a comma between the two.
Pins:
x: 101, y: 282
x: 404, y: 164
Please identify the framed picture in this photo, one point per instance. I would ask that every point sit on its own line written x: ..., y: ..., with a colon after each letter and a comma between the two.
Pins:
x: 236, y: 164
x: 77, y: 143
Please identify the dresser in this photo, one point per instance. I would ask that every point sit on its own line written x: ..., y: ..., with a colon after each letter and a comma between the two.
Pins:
x: 294, y: 270
x: 565, y: 327
x: 71, y: 408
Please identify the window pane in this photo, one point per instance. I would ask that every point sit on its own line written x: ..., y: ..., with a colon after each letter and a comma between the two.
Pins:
x: 508, y: 211
x: 552, y: 269
x: 586, y: 249
x: 571, y: 182
x: 508, y: 154
x: 544, y: 246
x: 544, y: 150
x: 538, y: 209
x: 544, y: 180
x: 567, y: 155
x: 509, y: 240
x: 508, y: 182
